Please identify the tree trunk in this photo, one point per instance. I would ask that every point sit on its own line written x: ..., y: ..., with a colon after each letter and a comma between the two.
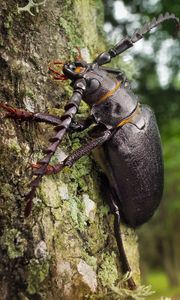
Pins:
x: 66, y: 248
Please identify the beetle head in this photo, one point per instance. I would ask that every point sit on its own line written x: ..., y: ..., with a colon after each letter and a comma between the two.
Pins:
x: 68, y: 70
x: 75, y: 70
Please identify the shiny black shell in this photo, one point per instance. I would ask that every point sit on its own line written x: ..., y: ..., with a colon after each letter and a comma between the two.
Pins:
x: 135, y: 169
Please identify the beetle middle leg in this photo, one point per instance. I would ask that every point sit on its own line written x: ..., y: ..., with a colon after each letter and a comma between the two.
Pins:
x: 117, y: 232
x: 76, y: 155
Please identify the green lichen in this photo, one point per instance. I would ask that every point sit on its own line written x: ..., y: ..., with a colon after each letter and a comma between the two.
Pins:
x: 115, y: 289
x: 83, y: 109
x: 37, y: 273
x: 77, y: 212
x: 84, y: 12
x: 68, y: 90
x: 15, y: 146
x: 79, y: 174
x: 107, y: 267
x: 90, y: 260
x: 9, y: 22
x: 9, y: 26
x: 49, y: 193
x: 75, y: 25
x: 30, y: 94
x: 68, y: 24
x: 13, y: 243
x: 55, y: 111
x: 1, y: 42
x: 7, y: 192
x: 21, y: 296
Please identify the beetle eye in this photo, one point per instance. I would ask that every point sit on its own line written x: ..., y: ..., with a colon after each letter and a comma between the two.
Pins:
x: 72, y: 67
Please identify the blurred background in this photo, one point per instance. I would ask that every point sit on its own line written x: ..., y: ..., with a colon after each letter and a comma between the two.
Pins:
x: 153, y: 67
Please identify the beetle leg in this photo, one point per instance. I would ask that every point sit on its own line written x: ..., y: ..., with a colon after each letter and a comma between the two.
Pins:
x: 43, y: 166
x: 23, y: 115
x: 15, y: 113
x: 117, y: 233
x: 66, y: 119
x: 77, y: 154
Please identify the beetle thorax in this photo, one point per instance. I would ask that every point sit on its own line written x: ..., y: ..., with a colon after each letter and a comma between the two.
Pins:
x: 99, y: 84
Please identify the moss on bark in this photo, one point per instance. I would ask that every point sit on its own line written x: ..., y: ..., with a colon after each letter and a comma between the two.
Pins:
x: 66, y: 248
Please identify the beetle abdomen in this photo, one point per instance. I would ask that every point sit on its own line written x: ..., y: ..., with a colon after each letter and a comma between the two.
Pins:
x: 136, y: 167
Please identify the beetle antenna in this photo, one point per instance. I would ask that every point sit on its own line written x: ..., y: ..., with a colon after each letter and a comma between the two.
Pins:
x: 128, y: 42
x: 79, y: 55
x: 138, y: 33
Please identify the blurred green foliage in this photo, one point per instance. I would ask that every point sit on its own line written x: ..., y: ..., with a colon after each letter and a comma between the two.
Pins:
x: 159, y: 282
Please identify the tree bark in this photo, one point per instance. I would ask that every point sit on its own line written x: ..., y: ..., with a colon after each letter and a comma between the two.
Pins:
x: 66, y: 248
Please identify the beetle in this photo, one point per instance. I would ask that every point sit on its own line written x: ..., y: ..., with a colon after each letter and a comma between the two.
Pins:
x: 127, y: 132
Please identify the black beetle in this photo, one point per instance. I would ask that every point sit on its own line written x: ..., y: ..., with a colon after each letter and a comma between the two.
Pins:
x: 127, y: 131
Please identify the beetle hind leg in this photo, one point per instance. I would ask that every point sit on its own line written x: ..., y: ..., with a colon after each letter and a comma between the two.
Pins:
x: 118, y: 236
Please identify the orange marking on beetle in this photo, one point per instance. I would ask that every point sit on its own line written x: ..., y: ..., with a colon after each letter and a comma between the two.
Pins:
x: 108, y: 94
x: 79, y: 69
x: 131, y: 117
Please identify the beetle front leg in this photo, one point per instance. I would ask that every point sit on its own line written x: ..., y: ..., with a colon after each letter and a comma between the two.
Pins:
x: 23, y: 115
x: 15, y: 113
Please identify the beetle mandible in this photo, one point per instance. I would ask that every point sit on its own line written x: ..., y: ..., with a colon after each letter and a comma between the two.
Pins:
x: 126, y: 130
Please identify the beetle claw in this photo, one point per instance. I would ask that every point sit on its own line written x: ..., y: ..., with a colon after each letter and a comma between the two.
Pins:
x: 38, y: 169
x: 11, y: 112
x: 15, y: 113
x: 131, y: 284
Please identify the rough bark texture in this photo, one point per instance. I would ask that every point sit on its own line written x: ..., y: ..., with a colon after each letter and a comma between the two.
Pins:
x: 66, y: 248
